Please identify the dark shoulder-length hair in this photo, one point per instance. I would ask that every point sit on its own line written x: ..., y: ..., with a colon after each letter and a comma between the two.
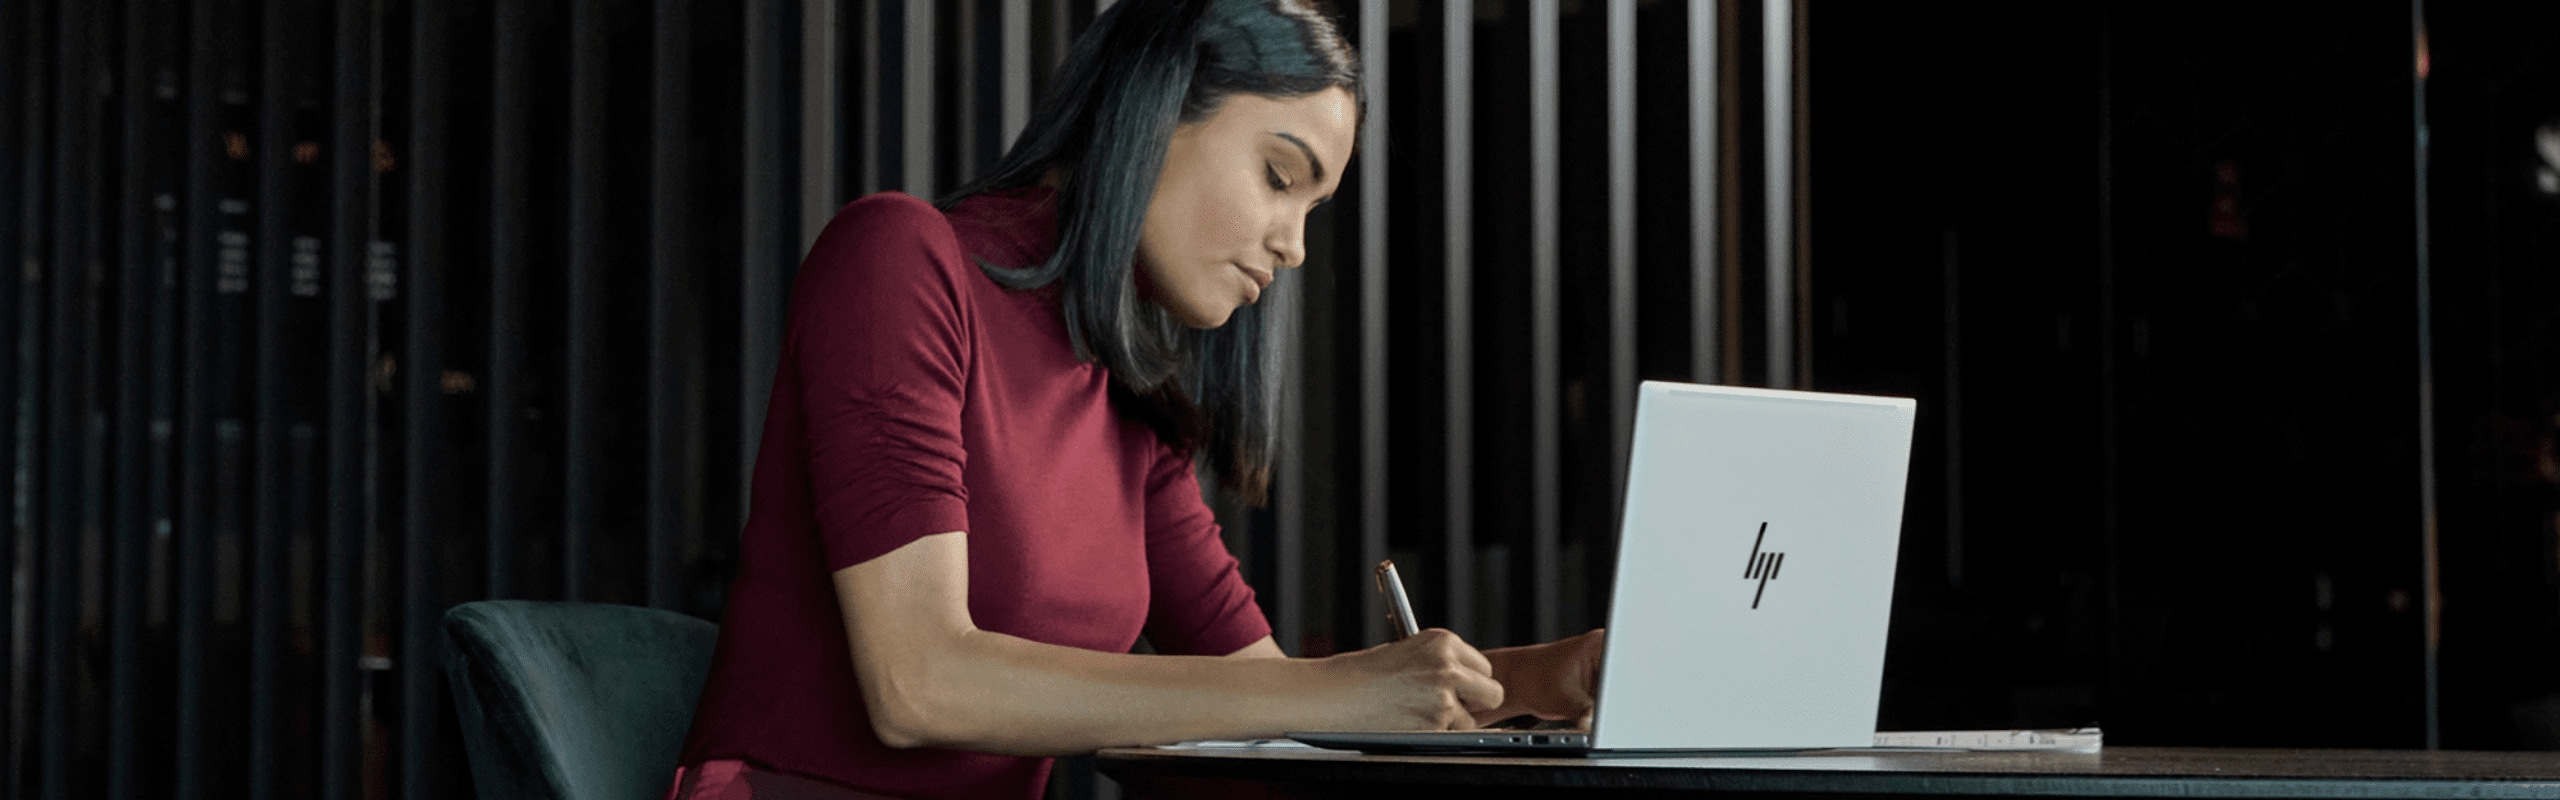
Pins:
x: 1143, y: 68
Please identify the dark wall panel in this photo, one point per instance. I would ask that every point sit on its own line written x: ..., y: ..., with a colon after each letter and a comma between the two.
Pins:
x: 18, y: 147
x: 332, y: 314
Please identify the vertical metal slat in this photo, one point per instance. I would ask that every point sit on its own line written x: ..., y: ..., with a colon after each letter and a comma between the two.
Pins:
x: 63, y: 471
x: 18, y: 96
x: 1951, y: 403
x: 2109, y: 526
x: 963, y: 88
x: 984, y: 139
x: 267, y: 533
x: 764, y: 214
x: 159, y: 602
x: 423, y: 490
x: 1061, y: 34
x: 917, y: 115
x: 1704, y: 189
x: 197, y: 400
x: 819, y: 134
x: 1800, y: 191
x: 507, y: 209
x: 2428, y: 548
x: 1016, y: 80
x: 669, y: 183
x: 1778, y: 115
x: 127, y: 520
x: 351, y: 228
x: 875, y: 94
x: 1458, y: 329
x: 587, y: 82
x: 1373, y: 311
x: 1545, y: 450
x: 1622, y: 247
x: 1286, y: 314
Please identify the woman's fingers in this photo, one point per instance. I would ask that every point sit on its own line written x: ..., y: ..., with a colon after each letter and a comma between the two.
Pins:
x: 1467, y: 694
x: 1441, y: 681
x: 1472, y: 658
x: 1447, y: 647
x: 1461, y: 673
x: 1477, y: 691
x: 1473, y: 681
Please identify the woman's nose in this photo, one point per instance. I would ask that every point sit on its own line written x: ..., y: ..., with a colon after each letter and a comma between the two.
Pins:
x: 1289, y: 245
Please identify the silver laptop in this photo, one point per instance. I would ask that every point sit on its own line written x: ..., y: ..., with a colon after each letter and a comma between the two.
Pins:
x: 1754, y: 580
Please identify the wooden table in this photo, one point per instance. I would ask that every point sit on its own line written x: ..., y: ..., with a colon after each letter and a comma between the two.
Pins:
x: 2114, y: 772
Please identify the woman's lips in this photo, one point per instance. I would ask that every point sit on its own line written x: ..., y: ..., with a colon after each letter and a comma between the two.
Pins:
x: 1261, y: 279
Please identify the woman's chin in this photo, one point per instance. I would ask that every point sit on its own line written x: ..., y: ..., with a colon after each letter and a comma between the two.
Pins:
x: 1203, y: 316
x: 1209, y: 323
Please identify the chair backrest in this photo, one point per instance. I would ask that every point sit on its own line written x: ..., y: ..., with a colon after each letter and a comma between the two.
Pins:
x: 574, y: 701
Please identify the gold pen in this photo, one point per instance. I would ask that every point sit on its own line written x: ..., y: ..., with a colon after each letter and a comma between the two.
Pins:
x: 1399, y: 608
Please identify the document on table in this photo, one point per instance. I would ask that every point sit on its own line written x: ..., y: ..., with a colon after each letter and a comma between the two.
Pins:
x: 1236, y: 744
x: 2079, y: 739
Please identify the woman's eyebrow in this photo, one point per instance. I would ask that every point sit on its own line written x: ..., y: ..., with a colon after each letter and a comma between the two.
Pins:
x: 1312, y: 160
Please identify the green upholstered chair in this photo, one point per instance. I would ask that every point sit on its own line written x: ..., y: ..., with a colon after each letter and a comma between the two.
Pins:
x: 574, y: 701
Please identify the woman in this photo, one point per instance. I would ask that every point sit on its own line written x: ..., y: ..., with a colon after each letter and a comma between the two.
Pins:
x: 975, y: 489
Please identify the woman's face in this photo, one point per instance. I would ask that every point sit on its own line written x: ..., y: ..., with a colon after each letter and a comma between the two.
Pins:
x: 1230, y: 209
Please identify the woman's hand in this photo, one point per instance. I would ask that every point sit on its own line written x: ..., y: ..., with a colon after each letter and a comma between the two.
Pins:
x: 1431, y: 680
x: 1555, y: 680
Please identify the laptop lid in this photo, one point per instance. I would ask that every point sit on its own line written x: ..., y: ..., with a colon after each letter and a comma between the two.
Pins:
x: 1755, y: 569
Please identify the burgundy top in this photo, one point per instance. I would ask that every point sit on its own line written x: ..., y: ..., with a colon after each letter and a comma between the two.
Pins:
x: 916, y: 396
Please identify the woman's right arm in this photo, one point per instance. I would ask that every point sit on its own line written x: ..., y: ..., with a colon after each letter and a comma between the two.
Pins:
x: 931, y: 678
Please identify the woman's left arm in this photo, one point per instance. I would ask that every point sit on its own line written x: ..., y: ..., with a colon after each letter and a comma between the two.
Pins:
x: 1552, y: 680
x: 1199, y: 603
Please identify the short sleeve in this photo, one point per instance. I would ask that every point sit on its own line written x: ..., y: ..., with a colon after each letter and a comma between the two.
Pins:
x: 1198, y: 603
x: 878, y: 334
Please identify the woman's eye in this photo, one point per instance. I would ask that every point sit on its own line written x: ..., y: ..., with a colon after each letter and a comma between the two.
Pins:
x: 1273, y: 173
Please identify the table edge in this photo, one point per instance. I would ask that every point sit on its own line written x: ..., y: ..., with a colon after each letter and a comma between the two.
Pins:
x: 1137, y: 764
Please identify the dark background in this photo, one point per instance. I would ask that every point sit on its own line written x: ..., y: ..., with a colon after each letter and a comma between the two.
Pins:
x: 289, y: 377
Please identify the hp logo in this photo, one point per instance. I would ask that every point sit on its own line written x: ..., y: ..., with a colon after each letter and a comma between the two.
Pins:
x: 1762, y: 567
